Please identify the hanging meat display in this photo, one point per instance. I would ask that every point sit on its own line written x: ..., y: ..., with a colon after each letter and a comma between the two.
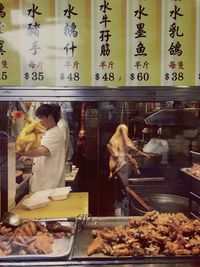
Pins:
x: 123, y: 151
x: 82, y: 132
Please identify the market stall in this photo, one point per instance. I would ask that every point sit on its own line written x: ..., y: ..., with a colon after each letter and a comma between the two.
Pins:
x: 125, y: 75
x: 83, y: 203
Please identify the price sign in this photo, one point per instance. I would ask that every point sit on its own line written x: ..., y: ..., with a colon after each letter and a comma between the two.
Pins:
x: 3, y: 75
x: 140, y: 76
x: 34, y: 76
x: 174, y: 76
x: 70, y: 76
x: 105, y: 77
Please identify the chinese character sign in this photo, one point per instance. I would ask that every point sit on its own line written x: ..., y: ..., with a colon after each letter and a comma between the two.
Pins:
x: 178, y: 42
x: 36, y: 43
x: 197, y: 34
x: 143, y: 31
x: 9, y: 54
x: 73, y: 46
x: 108, y: 42
x: 99, y: 43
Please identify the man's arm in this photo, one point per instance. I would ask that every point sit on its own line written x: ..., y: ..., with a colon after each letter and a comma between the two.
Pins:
x: 40, y: 151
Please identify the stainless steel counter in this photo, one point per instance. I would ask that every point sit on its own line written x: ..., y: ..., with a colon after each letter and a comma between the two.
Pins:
x: 84, y: 238
x: 79, y: 254
x: 75, y: 263
x: 23, y: 188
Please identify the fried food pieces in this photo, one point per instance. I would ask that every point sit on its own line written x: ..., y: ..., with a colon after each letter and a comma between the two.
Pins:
x: 152, y: 234
x: 29, y: 238
x: 122, y: 151
x: 30, y: 136
x: 194, y: 170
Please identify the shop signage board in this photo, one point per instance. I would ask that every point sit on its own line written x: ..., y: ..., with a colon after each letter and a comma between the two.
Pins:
x: 9, y: 56
x: 143, y: 38
x: 197, y: 51
x: 37, y: 62
x: 73, y: 43
x: 108, y: 42
x: 99, y: 43
x: 178, y: 42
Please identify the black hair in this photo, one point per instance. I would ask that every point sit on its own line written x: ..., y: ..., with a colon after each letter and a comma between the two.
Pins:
x: 57, y: 110
x: 48, y: 109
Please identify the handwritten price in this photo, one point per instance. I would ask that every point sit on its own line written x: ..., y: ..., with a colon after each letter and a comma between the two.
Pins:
x: 139, y: 76
x: 174, y: 76
x: 34, y: 76
x: 70, y: 76
x: 106, y: 76
x: 3, y: 75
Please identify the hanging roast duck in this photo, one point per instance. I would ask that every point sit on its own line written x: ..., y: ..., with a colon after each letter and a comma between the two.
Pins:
x: 123, y: 151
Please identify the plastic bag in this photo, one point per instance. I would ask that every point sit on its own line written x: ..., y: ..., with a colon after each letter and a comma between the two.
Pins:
x: 158, y: 146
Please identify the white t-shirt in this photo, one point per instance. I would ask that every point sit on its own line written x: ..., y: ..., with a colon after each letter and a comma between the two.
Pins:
x: 48, y: 171
x: 64, y: 128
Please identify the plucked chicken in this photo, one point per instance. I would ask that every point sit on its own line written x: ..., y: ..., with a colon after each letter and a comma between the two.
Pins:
x: 30, y: 136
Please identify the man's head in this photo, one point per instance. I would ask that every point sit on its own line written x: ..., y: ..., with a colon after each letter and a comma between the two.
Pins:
x: 57, y: 111
x: 48, y: 115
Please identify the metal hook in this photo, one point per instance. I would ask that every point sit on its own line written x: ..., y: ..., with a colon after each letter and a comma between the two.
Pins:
x: 83, y: 219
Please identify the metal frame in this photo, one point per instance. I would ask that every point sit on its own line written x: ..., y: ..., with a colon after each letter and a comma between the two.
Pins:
x: 149, y: 93
x: 4, y: 139
x: 138, y: 93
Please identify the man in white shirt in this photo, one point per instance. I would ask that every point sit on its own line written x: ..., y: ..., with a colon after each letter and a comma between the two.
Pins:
x: 64, y: 128
x: 49, y: 157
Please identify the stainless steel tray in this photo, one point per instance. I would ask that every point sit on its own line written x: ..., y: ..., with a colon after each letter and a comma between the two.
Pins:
x: 190, y: 175
x: 62, y: 247
x: 84, y: 238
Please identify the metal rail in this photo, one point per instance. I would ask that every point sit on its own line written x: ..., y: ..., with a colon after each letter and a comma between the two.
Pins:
x: 138, y: 93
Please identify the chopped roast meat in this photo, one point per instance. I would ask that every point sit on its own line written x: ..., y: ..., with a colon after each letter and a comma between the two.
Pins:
x: 194, y: 170
x: 29, y: 238
x: 2, y: 253
x: 43, y: 243
x: 96, y: 246
x: 55, y: 227
x: 41, y: 227
x: 152, y: 234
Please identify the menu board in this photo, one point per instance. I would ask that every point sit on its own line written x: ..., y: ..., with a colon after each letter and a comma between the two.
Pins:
x: 178, y: 43
x: 197, y: 42
x: 10, y: 56
x: 108, y: 42
x: 72, y: 54
x: 143, y: 37
x: 99, y: 43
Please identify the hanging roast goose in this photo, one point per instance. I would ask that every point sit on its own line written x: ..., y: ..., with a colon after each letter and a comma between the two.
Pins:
x: 82, y: 136
x: 123, y: 151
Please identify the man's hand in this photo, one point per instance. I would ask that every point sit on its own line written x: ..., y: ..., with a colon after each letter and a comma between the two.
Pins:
x: 38, y: 152
x: 25, y: 158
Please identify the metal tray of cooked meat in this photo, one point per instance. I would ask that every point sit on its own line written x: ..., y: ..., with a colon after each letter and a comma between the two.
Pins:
x: 84, y: 238
x: 61, y: 243
x: 184, y: 170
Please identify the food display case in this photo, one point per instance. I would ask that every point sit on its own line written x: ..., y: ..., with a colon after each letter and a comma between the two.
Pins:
x: 160, y: 184
x: 126, y: 74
